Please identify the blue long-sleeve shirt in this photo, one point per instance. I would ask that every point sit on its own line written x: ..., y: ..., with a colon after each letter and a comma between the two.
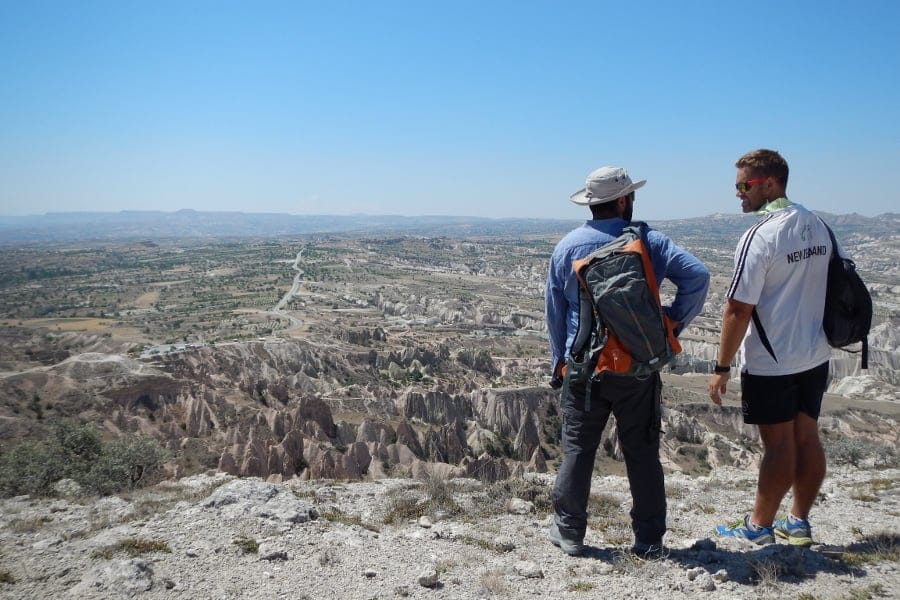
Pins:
x: 669, y: 261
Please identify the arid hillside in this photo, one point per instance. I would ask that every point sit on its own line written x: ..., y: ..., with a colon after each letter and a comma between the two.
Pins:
x: 357, y: 363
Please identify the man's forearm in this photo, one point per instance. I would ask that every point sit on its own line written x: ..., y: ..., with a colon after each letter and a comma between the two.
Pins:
x: 735, y: 320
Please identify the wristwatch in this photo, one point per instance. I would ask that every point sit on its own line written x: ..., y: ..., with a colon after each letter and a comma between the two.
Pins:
x: 722, y: 368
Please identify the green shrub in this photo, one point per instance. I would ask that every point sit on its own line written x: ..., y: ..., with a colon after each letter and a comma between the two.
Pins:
x: 844, y: 450
x: 76, y: 446
x: 76, y: 451
x: 125, y: 464
x: 33, y: 467
x: 29, y: 468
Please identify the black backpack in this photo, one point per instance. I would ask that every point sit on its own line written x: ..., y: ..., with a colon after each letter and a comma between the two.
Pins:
x: 848, y: 306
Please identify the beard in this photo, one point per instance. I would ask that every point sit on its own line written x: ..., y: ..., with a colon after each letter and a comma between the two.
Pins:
x: 628, y: 212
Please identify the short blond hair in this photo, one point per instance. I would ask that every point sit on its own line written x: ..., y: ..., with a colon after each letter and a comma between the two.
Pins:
x: 764, y: 163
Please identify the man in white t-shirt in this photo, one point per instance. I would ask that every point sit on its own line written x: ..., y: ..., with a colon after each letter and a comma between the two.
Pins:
x: 773, y: 324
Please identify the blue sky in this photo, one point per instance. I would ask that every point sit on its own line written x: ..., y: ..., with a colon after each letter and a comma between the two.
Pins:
x: 496, y: 109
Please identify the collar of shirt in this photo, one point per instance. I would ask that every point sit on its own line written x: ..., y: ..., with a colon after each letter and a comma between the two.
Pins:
x: 774, y: 205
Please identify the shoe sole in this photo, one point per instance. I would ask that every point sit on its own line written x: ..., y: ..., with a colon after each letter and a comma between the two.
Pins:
x: 569, y: 551
x: 794, y: 540
x: 761, y: 541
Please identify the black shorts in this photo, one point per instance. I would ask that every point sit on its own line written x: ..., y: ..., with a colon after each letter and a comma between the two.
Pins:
x: 768, y: 399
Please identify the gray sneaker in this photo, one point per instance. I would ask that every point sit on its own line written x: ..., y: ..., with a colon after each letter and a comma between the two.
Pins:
x: 570, y: 547
x: 642, y: 550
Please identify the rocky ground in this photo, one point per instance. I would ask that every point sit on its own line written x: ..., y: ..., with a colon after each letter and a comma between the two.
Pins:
x: 216, y: 536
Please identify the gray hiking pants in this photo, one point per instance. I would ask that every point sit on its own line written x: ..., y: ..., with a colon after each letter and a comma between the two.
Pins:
x: 635, y: 403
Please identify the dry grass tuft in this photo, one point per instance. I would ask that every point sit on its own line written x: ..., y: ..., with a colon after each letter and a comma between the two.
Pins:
x: 403, y: 506
x: 138, y: 546
x: 494, y: 582
x: 132, y: 547
x: 875, y: 590
x: 607, y: 515
x: 29, y: 525
x: 247, y: 544
x: 765, y: 572
x: 336, y: 516
x: 580, y: 586
x: 498, y: 547
x: 329, y: 556
x: 873, y: 548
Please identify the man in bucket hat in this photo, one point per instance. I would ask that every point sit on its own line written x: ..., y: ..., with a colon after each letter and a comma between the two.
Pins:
x: 610, y: 193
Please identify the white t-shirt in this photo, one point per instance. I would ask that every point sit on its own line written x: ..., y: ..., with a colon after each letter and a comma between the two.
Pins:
x: 781, y: 266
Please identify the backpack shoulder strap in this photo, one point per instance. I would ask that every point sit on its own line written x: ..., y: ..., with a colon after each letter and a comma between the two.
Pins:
x: 834, y: 245
x: 585, y: 323
x: 638, y: 227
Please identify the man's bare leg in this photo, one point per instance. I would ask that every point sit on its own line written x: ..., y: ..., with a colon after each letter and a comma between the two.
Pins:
x: 810, y: 465
x: 776, y: 471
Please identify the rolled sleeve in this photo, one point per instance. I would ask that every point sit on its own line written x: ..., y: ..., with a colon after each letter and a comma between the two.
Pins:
x: 556, y: 308
x: 687, y: 273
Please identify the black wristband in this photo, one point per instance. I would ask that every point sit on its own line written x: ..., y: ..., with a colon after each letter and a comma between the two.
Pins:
x: 722, y: 368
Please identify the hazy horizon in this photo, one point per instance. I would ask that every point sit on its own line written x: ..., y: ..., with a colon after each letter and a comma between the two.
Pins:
x: 585, y: 216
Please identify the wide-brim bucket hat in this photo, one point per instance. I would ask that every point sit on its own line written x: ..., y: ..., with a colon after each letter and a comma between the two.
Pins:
x: 605, y: 185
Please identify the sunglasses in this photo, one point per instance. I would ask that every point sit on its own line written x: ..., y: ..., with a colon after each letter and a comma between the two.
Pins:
x: 743, y: 186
